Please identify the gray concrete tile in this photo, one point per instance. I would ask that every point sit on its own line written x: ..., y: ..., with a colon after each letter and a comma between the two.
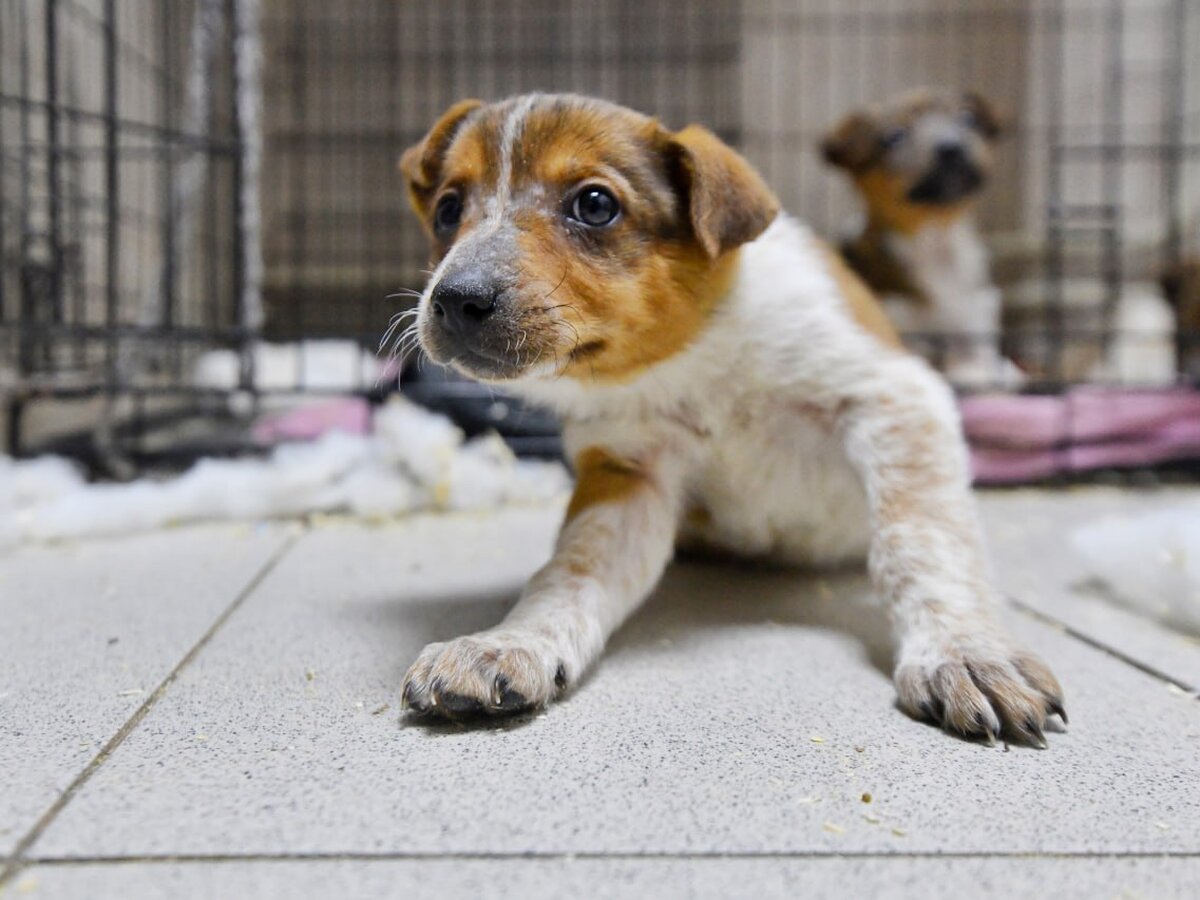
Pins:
x: 1035, y: 563
x: 89, y: 630
x: 553, y: 879
x: 742, y: 711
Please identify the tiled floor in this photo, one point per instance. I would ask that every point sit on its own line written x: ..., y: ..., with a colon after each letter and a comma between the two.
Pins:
x: 212, y: 712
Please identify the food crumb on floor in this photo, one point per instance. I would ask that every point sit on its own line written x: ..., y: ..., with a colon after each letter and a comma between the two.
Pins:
x: 833, y: 828
x: 381, y: 710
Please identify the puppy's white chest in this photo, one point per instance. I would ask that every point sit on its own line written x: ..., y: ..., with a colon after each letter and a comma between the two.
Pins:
x: 775, y: 483
x: 949, y: 263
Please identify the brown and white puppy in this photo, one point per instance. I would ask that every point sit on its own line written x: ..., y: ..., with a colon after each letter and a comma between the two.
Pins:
x: 920, y: 163
x: 723, y: 380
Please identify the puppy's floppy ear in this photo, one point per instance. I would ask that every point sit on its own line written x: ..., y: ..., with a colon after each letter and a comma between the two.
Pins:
x: 726, y: 200
x: 988, y: 120
x: 853, y: 143
x: 421, y: 164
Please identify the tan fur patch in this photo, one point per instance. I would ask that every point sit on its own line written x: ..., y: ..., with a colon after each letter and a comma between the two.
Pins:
x: 864, y: 306
x: 698, y: 515
x: 729, y: 202
x: 636, y: 319
x: 602, y: 477
x: 422, y: 164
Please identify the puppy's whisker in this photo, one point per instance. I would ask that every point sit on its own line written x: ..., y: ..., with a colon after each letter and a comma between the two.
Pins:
x: 566, y: 268
x: 392, y: 326
x: 404, y: 344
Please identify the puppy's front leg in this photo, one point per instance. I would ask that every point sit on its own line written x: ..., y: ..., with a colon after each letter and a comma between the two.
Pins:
x: 955, y: 664
x: 618, y: 536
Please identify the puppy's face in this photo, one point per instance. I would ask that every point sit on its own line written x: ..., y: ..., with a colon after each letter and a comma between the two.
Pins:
x: 924, y: 154
x: 574, y: 237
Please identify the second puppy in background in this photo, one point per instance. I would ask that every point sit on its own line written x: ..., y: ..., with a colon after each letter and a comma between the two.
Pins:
x: 919, y: 163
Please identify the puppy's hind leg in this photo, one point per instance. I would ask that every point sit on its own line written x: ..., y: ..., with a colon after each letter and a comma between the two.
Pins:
x: 618, y: 537
x: 955, y: 664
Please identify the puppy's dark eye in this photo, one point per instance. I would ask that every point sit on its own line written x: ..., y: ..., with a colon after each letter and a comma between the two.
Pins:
x: 969, y: 119
x: 595, y: 206
x: 892, y: 137
x: 447, y: 215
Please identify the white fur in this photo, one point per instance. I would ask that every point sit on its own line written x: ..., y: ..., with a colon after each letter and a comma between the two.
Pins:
x: 948, y: 263
x: 806, y: 440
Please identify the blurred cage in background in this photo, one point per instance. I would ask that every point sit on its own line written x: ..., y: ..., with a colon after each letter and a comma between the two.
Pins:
x: 125, y: 248
x: 143, y: 292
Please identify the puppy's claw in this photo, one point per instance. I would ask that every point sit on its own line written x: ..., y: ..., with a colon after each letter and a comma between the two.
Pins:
x: 410, y: 699
x: 989, y: 736
x: 933, y: 711
x: 1033, y: 732
x: 1056, y: 707
x: 507, y: 699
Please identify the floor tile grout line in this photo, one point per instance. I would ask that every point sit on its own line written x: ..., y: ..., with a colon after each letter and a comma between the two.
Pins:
x: 1060, y: 625
x: 649, y: 856
x: 15, y: 859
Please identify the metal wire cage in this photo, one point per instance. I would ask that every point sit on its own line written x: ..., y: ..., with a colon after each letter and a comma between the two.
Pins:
x: 126, y: 245
x: 122, y: 269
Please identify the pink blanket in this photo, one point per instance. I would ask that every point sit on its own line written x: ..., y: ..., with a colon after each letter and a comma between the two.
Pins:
x: 306, y: 423
x: 1024, y: 438
x: 1013, y: 438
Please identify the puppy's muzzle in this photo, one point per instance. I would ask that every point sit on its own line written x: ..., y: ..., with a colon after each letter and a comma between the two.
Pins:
x: 953, y: 176
x: 462, y: 303
x: 470, y: 322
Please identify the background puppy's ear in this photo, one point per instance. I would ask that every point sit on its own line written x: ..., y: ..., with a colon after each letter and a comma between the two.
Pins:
x: 727, y: 201
x: 853, y: 143
x: 988, y: 120
x: 421, y: 164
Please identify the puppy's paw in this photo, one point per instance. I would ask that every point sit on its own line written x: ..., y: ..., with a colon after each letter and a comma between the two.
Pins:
x: 980, y: 689
x: 490, y: 673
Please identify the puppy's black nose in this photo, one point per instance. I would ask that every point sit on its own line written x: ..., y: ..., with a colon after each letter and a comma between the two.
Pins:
x: 462, y: 301
x: 951, y: 152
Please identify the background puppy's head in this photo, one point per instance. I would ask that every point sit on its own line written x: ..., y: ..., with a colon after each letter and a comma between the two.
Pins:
x: 572, y: 236
x: 925, y: 154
